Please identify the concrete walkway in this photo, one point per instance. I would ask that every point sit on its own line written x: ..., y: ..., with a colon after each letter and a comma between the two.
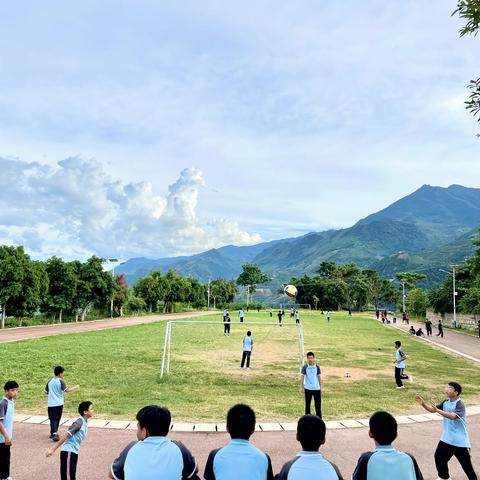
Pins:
x: 26, y: 333
x: 343, y: 447
x: 462, y: 344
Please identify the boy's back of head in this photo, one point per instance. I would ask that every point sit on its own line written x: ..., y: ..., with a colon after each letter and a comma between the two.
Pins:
x: 241, y: 421
x: 155, y: 419
x: 10, y: 385
x: 58, y: 370
x: 311, y: 432
x: 383, y: 428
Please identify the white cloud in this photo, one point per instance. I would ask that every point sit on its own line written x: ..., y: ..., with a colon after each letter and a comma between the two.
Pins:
x: 75, y: 209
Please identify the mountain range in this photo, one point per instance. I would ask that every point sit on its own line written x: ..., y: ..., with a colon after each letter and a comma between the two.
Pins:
x: 424, y: 231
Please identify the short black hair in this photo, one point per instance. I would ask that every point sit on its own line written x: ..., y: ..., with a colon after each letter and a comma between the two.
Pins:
x: 84, y: 406
x: 249, y: 333
x: 456, y: 386
x: 311, y: 432
x: 383, y: 427
x: 10, y: 384
x: 241, y: 421
x: 398, y: 342
x: 155, y: 419
x: 310, y: 354
x: 58, y: 370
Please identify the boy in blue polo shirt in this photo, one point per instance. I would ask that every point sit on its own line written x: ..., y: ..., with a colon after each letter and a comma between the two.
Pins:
x: 7, y: 408
x: 55, y: 390
x: 385, y: 462
x: 311, y: 385
x: 454, y: 439
x: 71, y: 442
x: 247, y: 349
x: 239, y: 459
x: 154, y: 456
x: 310, y: 464
x: 399, y: 363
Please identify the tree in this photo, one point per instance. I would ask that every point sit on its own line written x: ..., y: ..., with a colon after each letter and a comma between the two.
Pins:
x: 251, y: 276
x: 410, y: 279
x: 417, y: 302
x: 177, y: 290
x: 147, y: 289
x: 196, y: 293
x: 95, y: 286
x: 62, y: 284
x: 121, y: 295
x: 14, y: 268
x: 469, y: 10
x: 223, y: 290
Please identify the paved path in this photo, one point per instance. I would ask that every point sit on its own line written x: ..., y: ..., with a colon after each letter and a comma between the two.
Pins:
x: 343, y: 447
x: 25, y: 333
x: 466, y: 345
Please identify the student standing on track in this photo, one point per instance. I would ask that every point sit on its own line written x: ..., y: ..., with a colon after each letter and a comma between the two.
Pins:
x: 454, y: 440
x: 55, y: 390
x: 428, y: 326
x: 72, y: 441
x: 7, y: 408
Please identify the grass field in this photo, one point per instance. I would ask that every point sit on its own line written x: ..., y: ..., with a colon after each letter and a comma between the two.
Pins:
x: 119, y: 369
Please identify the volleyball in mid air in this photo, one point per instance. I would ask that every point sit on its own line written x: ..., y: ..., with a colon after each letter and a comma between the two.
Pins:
x: 290, y: 291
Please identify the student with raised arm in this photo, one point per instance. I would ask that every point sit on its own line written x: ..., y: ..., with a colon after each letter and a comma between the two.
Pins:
x: 454, y: 440
x: 55, y: 389
x: 70, y: 443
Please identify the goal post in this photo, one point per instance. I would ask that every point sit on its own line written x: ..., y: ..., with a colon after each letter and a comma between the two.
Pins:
x: 165, y: 370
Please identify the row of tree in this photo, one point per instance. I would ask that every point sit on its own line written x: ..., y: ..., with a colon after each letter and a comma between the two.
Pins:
x: 467, y: 286
x: 53, y: 287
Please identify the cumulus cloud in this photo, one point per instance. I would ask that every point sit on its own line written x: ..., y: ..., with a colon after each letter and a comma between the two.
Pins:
x: 76, y: 209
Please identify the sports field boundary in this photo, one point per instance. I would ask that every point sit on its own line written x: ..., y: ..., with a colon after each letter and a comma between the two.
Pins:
x: 272, y: 426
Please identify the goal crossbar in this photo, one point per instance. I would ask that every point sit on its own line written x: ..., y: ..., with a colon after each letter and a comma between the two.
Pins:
x: 168, y: 336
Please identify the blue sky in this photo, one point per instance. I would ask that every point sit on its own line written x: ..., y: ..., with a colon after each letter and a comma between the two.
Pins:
x: 162, y: 128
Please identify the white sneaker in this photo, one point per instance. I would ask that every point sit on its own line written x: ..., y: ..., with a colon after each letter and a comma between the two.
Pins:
x: 410, y: 378
x: 399, y: 388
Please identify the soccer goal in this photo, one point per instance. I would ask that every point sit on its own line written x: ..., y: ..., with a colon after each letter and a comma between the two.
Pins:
x: 263, y: 333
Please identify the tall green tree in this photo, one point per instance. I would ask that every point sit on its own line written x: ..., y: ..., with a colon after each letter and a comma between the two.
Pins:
x: 417, y: 302
x: 147, y: 289
x: 252, y: 276
x: 14, y: 269
x: 223, y: 290
x: 62, y: 285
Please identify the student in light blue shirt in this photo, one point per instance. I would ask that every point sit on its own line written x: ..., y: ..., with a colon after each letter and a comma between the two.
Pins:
x: 7, y: 408
x: 385, y: 462
x: 154, y: 456
x: 55, y: 389
x: 70, y: 443
x: 399, y: 363
x: 247, y: 349
x: 239, y: 459
x: 454, y: 440
x: 310, y: 464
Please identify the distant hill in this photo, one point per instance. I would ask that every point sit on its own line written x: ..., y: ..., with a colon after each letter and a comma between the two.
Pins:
x: 429, y: 261
x: 427, y: 229
x: 225, y: 262
x: 443, y: 214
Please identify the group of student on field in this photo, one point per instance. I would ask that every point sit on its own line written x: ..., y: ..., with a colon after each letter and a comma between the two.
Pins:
x: 153, y: 456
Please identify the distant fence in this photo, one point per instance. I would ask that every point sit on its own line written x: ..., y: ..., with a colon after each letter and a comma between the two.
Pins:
x: 463, y: 320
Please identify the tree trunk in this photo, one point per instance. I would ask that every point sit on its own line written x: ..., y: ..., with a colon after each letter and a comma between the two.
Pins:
x: 76, y: 315
x: 84, y: 313
x: 3, y: 314
x: 60, y: 316
x: 150, y: 307
x: 54, y: 317
x: 121, y: 311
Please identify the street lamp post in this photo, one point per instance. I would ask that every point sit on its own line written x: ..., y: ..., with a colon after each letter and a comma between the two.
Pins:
x: 452, y: 273
x: 403, y: 295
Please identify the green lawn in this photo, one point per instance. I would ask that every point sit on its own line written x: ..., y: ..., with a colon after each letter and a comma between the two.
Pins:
x: 119, y: 369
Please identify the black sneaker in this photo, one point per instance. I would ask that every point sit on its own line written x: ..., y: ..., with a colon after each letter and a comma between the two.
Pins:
x: 55, y: 437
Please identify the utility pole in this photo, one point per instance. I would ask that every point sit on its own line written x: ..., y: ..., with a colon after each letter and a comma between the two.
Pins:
x: 113, y: 260
x: 248, y: 294
x: 403, y: 295
x: 454, y: 299
x: 208, y: 295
